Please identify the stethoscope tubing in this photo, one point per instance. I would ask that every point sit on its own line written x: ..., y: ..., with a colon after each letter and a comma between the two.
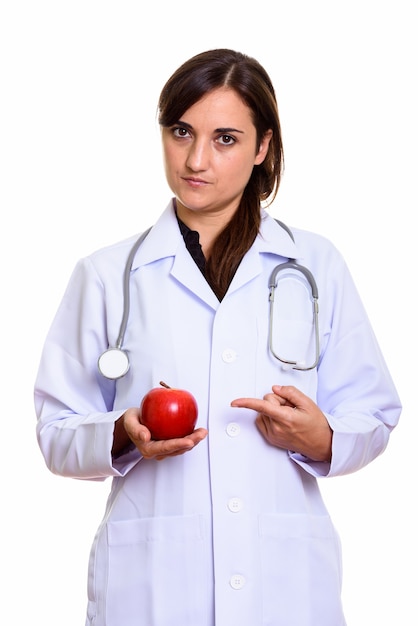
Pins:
x: 293, y: 265
x: 126, y: 289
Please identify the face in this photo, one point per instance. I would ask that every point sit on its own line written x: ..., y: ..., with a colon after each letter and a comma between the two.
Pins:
x: 210, y: 153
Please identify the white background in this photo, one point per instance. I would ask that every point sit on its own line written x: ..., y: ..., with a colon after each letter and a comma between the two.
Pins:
x: 81, y: 168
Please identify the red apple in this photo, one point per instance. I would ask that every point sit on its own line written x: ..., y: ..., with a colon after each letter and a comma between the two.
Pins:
x: 168, y: 412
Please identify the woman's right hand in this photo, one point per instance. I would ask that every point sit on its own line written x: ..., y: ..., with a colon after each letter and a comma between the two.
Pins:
x: 150, y: 448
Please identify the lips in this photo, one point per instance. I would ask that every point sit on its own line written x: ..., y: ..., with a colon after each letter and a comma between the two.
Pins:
x: 194, y: 182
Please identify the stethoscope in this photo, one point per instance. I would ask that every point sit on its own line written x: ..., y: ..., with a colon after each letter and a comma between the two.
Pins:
x: 287, y: 363
x: 113, y: 363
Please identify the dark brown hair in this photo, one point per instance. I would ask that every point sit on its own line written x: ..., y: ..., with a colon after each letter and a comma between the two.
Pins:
x: 189, y: 83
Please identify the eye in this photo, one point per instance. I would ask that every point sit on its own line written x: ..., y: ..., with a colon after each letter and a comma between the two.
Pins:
x: 180, y: 132
x: 226, y: 140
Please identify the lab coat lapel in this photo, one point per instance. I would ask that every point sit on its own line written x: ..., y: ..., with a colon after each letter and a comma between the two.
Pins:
x: 249, y: 268
x: 187, y: 272
x: 165, y: 240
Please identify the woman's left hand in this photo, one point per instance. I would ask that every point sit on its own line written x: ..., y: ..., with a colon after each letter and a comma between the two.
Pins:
x: 289, y: 419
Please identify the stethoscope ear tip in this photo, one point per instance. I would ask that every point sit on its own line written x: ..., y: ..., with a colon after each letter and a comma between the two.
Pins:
x: 113, y: 363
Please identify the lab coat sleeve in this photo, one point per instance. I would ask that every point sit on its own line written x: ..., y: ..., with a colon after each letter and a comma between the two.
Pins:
x: 73, y: 402
x: 355, y: 389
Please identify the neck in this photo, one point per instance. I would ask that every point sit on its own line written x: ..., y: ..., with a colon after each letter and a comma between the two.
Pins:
x: 208, y: 225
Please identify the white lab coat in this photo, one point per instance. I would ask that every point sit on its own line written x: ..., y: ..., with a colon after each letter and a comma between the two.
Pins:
x: 234, y: 532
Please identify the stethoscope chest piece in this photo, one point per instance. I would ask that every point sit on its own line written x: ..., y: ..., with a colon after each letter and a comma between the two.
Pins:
x: 113, y: 363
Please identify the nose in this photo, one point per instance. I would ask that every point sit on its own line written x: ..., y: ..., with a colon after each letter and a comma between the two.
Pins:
x: 198, y: 156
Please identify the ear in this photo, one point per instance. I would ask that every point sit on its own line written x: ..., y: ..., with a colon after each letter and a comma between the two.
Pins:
x: 263, y: 148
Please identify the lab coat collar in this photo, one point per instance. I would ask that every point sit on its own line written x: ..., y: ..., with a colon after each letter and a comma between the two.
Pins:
x: 275, y: 239
x: 272, y: 239
x: 165, y: 239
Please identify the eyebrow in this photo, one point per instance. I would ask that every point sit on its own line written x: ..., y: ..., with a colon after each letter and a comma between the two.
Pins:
x: 226, y: 129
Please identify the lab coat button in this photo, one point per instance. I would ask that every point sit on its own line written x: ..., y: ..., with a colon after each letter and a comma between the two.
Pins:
x: 233, y: 429
x: 229, y: 355
x: 237, y: 581
x: 235, y: 505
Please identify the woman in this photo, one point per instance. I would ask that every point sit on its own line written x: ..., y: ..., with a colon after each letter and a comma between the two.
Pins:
x: 225, y: 526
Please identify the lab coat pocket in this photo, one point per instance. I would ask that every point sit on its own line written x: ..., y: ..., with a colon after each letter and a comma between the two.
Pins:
x: 301, y: 570
x: 294, y: 341
x: 156, y: 571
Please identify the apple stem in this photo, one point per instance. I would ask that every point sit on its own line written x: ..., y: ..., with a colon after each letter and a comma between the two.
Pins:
x: 163, y: 384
